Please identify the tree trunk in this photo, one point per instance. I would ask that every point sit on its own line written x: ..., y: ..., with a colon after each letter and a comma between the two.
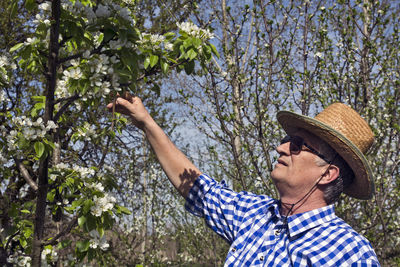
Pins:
x: 51, y: 77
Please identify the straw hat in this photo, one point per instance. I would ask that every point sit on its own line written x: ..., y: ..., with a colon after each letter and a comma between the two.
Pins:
x: 346, y: 132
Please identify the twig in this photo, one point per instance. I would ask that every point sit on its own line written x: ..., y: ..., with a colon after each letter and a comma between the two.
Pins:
x: 24, y: 172
x: 65, y: 106
x: 65, y: 231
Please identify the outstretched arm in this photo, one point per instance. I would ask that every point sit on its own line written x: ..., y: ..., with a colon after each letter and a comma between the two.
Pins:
x: 180, y: 170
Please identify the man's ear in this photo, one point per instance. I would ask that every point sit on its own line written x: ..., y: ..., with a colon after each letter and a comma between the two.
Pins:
x: 331, y: 173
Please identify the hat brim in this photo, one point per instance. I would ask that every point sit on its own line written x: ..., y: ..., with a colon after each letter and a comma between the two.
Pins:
x: 362, y: 187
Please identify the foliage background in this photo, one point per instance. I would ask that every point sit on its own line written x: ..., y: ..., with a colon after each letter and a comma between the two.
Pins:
x: 273, y: 55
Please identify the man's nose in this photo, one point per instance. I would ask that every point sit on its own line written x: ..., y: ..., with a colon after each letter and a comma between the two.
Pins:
x: 283, y: 149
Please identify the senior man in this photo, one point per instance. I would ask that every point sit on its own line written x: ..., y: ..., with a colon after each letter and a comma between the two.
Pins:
x: 319, y: 159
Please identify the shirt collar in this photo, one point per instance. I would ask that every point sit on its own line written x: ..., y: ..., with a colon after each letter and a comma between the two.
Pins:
x: 299, y: 223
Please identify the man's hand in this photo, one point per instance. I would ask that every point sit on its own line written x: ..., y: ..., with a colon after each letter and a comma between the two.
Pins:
x: 132, y: 107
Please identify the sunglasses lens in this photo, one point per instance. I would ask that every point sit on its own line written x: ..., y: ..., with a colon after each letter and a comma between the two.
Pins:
x: 296, y: 144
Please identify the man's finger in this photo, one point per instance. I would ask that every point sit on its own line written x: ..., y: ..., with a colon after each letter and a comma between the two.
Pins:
x: 128, y: 96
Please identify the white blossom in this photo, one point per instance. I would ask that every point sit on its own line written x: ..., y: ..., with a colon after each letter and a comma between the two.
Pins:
x: 318, y: 54
x: 51, y: 125
x: 103, y: 11
x: 89, y: 14
x: 97, y: 241
x: 102, y: 204
x: 48, y: 254
x: 61, y: 166
x: 3, y: 96
x: 3, y: 61
x: 194, y: 30
x: 75, y: 74
x: 29, y: 130
x: 169, y: 46
x: 86, y: 54
x: 30, y: 41
x: 125, y: 14
x: 83, y: 171
x: 46, y: 6
x: 17, y: 259
x: 97, y: 186
x: 87, y: 132
x: 3, y: 159
x: 154, y: 40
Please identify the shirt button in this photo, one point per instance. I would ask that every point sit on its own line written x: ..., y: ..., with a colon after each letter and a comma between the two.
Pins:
x: 262, y: 258
x: 233, y: 249
x: 277, y: 232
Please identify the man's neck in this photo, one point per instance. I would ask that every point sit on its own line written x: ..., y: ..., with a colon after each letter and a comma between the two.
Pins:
x: 314, y: 201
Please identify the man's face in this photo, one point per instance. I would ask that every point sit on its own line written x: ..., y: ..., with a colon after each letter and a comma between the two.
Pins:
x: 295, y: 174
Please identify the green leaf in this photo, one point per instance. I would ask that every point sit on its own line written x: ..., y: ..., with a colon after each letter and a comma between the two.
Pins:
x: 214, y: 50
x: 153, y: 60
x: 30, y: 4
x: 91, y: 254
x: 77, y: 203
x: 101, y: 231
x: 91, y: 222
x: 156, y: 89
x: 16, y: 47
x: 23, y: 242
x: 14, y: 9
x: 109, y: 33
x: 81, y: 221
x: 50, y: 195
x: 189, y: 67
x: 196, y: 42
x: 64, y: 244
x: 39, y: 98
x: 27, y: 232
x: 124, y: 210
x: 169, y: 35
x: 87, y: 205
x: 191, y: 54
x: 36, y: 108
x: 50, y: 145
x: 207, y: 52
x: 82, y: 246
x: 188, y: 42
x: 172, y: 60
x: 146, y: 62
x: 164, y: 67
x: 39, y: 149
x: 100, y: 38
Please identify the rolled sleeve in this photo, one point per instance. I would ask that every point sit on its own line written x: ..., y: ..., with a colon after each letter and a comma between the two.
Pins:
x: 215, y: 203
x: 195, y: 199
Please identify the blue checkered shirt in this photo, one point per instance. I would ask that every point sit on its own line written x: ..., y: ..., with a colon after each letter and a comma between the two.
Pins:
x: 258, y: 237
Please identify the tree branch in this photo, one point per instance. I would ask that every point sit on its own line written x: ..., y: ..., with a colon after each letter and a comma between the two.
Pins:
x: 25, y: 174
x: 65, y: 106
x: 65, y: 231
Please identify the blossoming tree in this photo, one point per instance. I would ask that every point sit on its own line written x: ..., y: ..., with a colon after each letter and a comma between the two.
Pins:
x: 55, y: 139
x: 302, y: 56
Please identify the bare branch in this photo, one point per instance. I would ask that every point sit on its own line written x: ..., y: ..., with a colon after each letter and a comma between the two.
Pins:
x: 65, y: 231
x: 25, y: 174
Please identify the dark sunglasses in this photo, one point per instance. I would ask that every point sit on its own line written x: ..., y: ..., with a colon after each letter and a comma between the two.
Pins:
x: 296, y: 146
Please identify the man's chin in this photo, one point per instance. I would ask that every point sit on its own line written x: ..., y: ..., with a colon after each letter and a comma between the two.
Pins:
x: 274, y: 175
